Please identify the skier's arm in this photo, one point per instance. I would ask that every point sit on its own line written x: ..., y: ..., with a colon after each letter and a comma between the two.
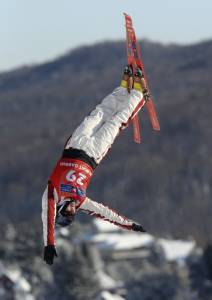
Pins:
x: 101, y: 211
x: 48, y: 218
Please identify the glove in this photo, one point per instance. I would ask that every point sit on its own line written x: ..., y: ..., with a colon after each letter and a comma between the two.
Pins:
x: 138, y: 227
x: 49, y: 254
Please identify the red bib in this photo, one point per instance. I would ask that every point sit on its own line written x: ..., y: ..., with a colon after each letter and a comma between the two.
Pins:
x: 70, y: 178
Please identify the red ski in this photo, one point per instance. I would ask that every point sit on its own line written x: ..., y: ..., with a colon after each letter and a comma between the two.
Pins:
x: 134, y: 60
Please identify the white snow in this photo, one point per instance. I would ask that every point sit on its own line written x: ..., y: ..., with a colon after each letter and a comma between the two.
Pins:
x: 23, y: 285
x: 106, y: 281
x: 105, y: 295
x: 29, y: 297
x: 111, y: 238
x: 176, y: 249
x: 20, y: 282
x: 64, y: 231
x: 13, y: 274
x: 115, y: 238
x: 122, y: 241
x: 103, y: 226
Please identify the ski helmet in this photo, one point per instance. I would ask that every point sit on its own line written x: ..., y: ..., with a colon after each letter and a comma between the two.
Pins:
x: 63, y: 218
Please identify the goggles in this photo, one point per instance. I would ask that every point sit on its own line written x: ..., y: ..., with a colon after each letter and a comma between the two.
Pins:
x: 63, y: 217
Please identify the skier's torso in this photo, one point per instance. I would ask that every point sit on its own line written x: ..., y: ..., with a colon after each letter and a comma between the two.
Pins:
x: 70, y: 179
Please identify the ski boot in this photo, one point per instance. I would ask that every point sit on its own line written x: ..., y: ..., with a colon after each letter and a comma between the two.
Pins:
x: 127, y: 79
x: 140, y: 83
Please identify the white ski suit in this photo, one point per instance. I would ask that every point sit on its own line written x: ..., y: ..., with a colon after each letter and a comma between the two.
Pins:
x: 98, y: 131
x: 94, y: 137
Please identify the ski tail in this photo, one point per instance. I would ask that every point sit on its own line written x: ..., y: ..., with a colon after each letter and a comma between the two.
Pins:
x: 136, y: 130
x: 152, y: 115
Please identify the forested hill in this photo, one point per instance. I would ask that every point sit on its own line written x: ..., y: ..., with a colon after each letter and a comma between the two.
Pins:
x: 165, y: 183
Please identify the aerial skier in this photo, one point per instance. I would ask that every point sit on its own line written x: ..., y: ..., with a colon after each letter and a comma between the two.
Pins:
x: 65, y: 194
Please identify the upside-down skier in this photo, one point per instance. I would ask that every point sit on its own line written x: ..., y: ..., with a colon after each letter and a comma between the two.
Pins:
x: 65, y: 194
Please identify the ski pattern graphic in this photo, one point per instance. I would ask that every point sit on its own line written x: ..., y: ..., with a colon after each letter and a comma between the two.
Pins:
x: 134, y: 60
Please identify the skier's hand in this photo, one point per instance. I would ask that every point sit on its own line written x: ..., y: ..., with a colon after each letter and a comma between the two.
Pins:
x: 138, y: 227
x: 49, y: 254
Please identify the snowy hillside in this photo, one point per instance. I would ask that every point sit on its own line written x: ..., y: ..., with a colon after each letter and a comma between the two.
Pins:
x: 105, y: 263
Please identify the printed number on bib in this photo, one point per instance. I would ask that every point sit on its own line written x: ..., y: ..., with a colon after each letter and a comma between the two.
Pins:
x: 73, y: 177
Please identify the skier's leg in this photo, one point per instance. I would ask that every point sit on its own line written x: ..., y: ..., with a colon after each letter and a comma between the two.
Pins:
x: 103, y: 138
x: 92, y: 123
x: 103, y: 112
x: 98, y: 131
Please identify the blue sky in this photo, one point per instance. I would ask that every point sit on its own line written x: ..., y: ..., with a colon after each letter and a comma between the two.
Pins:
x: 35, y: 31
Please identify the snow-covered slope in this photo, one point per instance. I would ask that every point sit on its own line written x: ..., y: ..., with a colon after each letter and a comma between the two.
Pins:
x: 112, y: 238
